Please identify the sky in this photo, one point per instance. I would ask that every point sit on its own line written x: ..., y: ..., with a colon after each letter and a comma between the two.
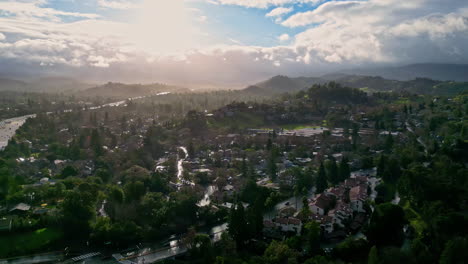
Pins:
x: 226, y: 43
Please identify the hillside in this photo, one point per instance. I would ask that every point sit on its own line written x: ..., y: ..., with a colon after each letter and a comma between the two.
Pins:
x: 282, y: 84
x: 44, y: 85
x: 120, y: 90
x: 58, y: 85
x: 12, y: 85
x: 443, y: 72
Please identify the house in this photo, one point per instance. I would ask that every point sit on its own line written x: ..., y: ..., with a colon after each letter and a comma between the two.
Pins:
x: 229, y: 189
x: 358, y: 196
x: 20, y: 208
x: 322, y: 203
x: 338, y: 191
x: 327, y: 224
x: 341, y: 213
x: 289, y: 224
x: 287, y: 211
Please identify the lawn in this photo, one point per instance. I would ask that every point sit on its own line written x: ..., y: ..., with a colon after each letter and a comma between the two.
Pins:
x: 24, y: 243
x: 239, y: 121
x: 296, y: 126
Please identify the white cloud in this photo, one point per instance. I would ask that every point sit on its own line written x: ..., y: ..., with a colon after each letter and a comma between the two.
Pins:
x: 33, y: 9
x: 335, y: 34
x: 283, y: 37
x: 202, y: 18
x: 279, y: 11
x: 117, y: 4
x: 261, y: 3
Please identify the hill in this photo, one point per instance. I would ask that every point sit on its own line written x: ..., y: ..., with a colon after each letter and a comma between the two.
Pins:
x: 44, y: 85
x: 282, y: 84
x: 58, y: 85
x: 12, y: 85
x: 443, y: 72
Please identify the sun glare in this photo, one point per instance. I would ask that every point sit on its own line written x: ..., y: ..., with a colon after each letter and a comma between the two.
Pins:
x: 163, y: 27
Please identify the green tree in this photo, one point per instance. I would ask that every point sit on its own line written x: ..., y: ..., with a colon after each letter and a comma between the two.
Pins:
x: 333, y: 175
x: 322, y: 183
x: 77, y: 213
x: 373, y: 256
x: 280, y: 253
x: 455, y: 251
x: 343, y: 169
x: 134, y: 190
x: 96, y: 143
x: 202, y: 250
x: 312, y: 233
x: 386, y: 225
x: 237, y: 224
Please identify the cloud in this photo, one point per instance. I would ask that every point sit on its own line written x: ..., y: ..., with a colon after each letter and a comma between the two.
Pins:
x: 383, y: 31
x: 279, y: 11
x: 331, y: 36
x: 283, y: 37
x: 261, y: 3
x: 117, y: 4
x: 33, y: 9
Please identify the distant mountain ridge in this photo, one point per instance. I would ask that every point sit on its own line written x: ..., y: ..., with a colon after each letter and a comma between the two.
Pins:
x: 435, y: 71
x: 44, y: 85
x: 283, y: 84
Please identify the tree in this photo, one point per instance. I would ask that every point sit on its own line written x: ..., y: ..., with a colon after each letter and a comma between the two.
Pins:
x: 389, y: 142
x: 386, y: 225
x: 116, y: 194
x: 333, y: 175
x: 305, y: 211
x: 381, y: 166
x: 255, y: 217
x: 134, y: 190
x: 271, y: 165
x: 352, y: 251
x: 322, y: 183
x: 280, y: 253
x: 373, y: 256
x: 455, y: 251
x: 103, y: 174
x: 202, y: 250
x: 343, y: 169
x: 237, y: 224
x: 69, y: 171
x: 77, y: 213
x: 312, y: 237
x: 96, y: 143
x: 392, y: 171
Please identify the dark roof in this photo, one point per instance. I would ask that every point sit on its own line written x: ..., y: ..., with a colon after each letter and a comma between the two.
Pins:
x: 323, y: 201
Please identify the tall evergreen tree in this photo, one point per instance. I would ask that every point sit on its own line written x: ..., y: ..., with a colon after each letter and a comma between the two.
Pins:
x: 237, y: 224
x: 322, y: 183
x: 333, y: 172
x: 343, y: 169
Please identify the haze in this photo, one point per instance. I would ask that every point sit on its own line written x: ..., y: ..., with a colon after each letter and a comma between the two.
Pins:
x: 225, y: 43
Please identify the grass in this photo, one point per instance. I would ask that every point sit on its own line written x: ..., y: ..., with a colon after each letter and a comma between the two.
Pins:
x: 24, y: 243
x: 295, y: 126
x: 403, y: 101
x: 239, y: 121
